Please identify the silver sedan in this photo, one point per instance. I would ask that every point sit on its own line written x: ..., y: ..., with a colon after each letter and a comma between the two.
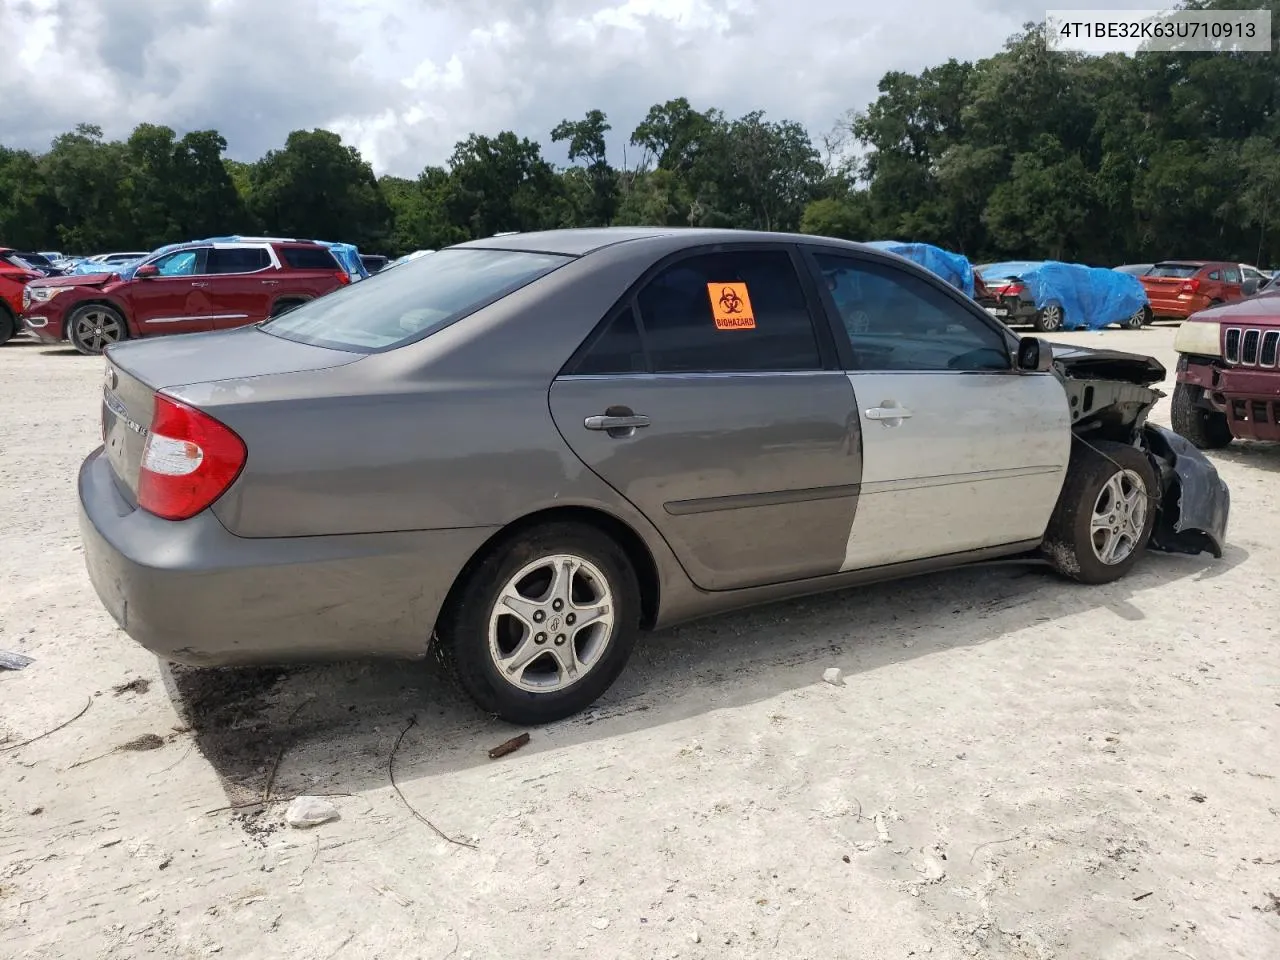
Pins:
x: 530, y: 448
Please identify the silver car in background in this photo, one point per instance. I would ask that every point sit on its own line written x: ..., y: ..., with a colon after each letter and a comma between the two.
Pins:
x: 533, y: 446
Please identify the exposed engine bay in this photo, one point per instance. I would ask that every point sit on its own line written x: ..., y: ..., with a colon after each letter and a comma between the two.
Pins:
x: 1110, y: 394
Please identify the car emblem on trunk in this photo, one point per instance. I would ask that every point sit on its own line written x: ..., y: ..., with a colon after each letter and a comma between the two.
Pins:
x: 117, y: 407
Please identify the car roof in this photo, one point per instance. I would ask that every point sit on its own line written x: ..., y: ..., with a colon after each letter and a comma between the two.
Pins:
x: 581, y: 241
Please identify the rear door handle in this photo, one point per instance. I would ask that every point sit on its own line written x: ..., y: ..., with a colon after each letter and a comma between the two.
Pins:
x: 616, y: 423
x: 888, y: 413
x: 269, y: 283
x: 199, y: 283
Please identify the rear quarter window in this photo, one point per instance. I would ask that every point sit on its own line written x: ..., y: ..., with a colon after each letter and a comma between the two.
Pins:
x: 413, y: 300
x: 309, y: 258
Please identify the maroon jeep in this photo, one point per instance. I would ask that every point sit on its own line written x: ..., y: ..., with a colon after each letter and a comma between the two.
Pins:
x: 1228, y: 377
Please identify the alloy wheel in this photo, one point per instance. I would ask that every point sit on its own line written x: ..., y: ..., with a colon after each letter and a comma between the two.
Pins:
x: 98, y: 329
x: 1119, y: 517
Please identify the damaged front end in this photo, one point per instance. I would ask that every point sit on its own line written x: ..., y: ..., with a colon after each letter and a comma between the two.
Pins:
x: 1110, y: 394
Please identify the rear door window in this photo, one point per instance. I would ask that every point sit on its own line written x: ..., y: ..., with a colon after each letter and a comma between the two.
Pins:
x: 1231, y: 275
x: 413, y: 300
x: 730, y: 312
x: 237, y: 260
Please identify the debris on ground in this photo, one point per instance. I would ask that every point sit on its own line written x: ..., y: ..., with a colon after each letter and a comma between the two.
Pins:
x: 510, y: 746
x: 148, y: 741
x: 13, y: 661
x: 136, y: 685
x: 1273, y: 906
x: 833, y: 676
x: 310, y: 812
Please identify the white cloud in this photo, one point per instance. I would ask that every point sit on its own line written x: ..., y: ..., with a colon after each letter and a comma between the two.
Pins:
x: 406, y: 79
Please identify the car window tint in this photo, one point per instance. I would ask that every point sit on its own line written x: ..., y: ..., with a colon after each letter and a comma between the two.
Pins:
x: 738, y: 311
x: 898, y: 321
x: 179, y: 264
x: 1231, y: 275
x: 616, y: 349
x: 309, y: 258
x: 236, y: 260
x: 1179, y: 270
x: 413, y: 300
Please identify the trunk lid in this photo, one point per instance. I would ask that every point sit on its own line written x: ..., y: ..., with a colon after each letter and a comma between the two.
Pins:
x: 137, y: 370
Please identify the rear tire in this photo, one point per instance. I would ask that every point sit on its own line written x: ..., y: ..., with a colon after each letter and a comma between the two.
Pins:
x: 8, y: 325
x: 94, y: 327
x: 1206, y: 429
x: 1138, y: 320
x: 509, y: 634
x: 1049, y: 319
x: 284, y: 306
x: 1105, y: 513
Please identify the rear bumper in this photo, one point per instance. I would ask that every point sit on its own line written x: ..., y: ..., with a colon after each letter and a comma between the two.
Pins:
x: 194, y: 593
x: 1250, y: 398
x: 1179, y: 307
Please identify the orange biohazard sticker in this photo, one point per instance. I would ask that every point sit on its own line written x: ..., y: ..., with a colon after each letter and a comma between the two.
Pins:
x: 731, y: 306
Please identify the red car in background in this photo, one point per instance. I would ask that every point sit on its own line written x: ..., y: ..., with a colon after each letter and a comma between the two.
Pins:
x: 1178, y: 288
x: 188, y: 289
x: 15, y: 274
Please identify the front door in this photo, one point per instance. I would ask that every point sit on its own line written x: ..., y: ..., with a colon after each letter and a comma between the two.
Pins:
x: 712, y: 402
x: 173, y: 301
x: 960, y: 451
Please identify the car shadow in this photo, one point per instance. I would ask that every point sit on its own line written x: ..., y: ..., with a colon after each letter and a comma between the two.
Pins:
x: 1257, y: 454
x: 331, y: 728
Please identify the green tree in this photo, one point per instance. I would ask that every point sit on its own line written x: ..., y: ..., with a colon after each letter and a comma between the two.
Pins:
x: 586, y: 139
x: 502, y: 183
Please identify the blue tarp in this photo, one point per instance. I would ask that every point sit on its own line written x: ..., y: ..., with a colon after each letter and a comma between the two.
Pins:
x: 951, y: 267
x: 1091, y: 297
x: 85, y: 267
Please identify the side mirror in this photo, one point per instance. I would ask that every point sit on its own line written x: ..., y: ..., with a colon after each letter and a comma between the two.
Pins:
x: 146, y: 270
x: 1249, y: 287
x: 1034, y: 355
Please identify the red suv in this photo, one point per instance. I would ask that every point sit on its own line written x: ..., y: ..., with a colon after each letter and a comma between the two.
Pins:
x: 15, y: 274
x: 195, y: 287
x: 1178, y: 288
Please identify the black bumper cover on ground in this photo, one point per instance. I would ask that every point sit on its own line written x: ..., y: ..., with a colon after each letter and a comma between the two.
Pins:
x: 1195, y: 502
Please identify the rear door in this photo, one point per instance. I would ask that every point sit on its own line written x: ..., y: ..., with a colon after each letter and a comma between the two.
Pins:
x: 238, y: 289
x: 1232, y: 283
x: 959, y: 451
x: 713, y: 402
x: 175, y: 300
x: 310, y: 271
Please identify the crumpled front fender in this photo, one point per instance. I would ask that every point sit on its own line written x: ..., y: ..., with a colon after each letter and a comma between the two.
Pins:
x: 1195, y: 502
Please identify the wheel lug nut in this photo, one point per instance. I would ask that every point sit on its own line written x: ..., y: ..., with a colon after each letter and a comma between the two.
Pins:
x: 559, y: 639
x: 538, y: 616
x: 540, y: 638
x: 557, y: 605
x: 571, y: 619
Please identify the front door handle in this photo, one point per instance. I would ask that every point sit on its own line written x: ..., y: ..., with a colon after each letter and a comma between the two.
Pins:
x: 888, y: 412
x: 199, y: 283
x: 269, y: 283
x: 612, y: 423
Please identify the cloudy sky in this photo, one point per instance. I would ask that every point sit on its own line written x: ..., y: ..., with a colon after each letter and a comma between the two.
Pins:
x: 406, y: 79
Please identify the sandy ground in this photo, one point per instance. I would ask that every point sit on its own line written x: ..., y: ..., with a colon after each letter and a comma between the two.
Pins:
x: 1015, y: 767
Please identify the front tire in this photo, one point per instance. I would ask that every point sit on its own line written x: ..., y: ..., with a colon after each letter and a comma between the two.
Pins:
x: 543, y: 624
x: 1049, y: 319
x: 8, y: 325
x: 1105, y: 513
x: 94, y: 327
x: 1206, y: 429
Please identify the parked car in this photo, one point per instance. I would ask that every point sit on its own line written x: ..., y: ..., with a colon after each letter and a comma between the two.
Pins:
x: 373, y: 262
x: 43, y: 264
x: 1136, y: 269
x: 15, y: 274
x: 530, y: 447
x: 185, y: 289
x: 951, y: 267
x: 1179, y: 288
x: 1249, y: 272
x: 107, y: 261
x: 408, y: 258
x: 1228, y: 381
x: 1052, y: 296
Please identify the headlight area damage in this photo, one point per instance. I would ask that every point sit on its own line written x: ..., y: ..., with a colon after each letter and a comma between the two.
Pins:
x: 1111, y: 394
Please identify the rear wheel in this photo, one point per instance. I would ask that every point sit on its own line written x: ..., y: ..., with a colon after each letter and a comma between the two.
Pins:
x: 94, y: 327
x: 1104, y: 515
x: 8, y: 324
x: 284, y: 306
x: 543, y: 624
x: 1139, y: 319
x: 1049, y: 318
x: 1206, y: 429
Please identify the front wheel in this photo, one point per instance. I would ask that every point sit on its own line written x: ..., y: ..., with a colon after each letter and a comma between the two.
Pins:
x: 544, y: 623
x: 8, y: 325
x: 1206, y: 429
x: 94, y: 327
x: 1105, y: 513
x: 1049, y: 318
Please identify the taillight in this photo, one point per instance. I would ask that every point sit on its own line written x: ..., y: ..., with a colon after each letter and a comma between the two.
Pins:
x: 1191, y: 286
x: 189, y: 461
x: 343, y: 276
x: 1011, y: 290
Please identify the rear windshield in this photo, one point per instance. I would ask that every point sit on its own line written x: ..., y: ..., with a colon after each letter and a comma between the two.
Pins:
x: 1182, y: 270
x: 413, y: 300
